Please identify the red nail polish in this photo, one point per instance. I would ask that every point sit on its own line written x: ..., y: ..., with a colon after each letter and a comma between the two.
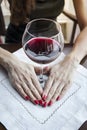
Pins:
x: 36, y: 102
x: 44, y: 97
x: 27, y: 98
x: 45, y: 104
x: 40, y: 102
x: 50, y: 103
x: 58, y: 98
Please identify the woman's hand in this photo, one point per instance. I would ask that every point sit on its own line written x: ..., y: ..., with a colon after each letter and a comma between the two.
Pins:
x: 24, y: 80
x: 60, y: 79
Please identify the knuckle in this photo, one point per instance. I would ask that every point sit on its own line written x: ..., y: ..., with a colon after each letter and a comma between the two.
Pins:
x: 57, y: 92
x: 69, y: 82
x: 19, y: 87
x: 49, y: 95
x: 56, y: 79
x: 55, y: 96
x: 64, y: 89
x: 51, y: 75
x: 32, y: 89
x: 27, y: 89
x: 63, y: 80
x: 51, y: 92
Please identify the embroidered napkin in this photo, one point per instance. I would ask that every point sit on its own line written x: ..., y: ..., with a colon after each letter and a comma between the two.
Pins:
x: 66, y: 114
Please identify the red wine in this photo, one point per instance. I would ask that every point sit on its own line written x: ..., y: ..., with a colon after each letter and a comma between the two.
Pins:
x: 42, y: 50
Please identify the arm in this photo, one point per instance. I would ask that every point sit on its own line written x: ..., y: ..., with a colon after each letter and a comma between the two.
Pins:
x: 22, y: 76
x: 80, y: 48
x: 81, y: 12
x: 62, y: 74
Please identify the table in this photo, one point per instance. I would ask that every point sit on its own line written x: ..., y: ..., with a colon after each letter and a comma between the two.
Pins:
x: 11, y: 47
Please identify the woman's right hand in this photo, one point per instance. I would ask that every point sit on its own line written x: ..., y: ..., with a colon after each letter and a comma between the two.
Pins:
x: 24, y: 79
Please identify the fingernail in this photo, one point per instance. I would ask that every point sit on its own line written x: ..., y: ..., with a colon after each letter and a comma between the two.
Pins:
x: 40, y: 102
x: 50, y: 103
x: 44, y: 97
x: 36, y: 102
x: 58, y: 98
x: 27, y: 98
x: 45, y: 104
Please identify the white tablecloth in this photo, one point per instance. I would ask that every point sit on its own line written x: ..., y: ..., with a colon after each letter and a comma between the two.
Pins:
x: 66, y: 114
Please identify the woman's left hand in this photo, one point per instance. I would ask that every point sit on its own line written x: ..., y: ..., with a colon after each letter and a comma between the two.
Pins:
x: 59, y: 81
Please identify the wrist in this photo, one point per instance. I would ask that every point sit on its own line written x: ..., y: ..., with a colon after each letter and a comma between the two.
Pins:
x: 5, y: 58
x: 79, y: 50
x: 76, y: 55
x: 73, y: 59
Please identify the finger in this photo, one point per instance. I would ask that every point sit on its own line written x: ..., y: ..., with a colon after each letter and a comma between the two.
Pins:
x: 29, y: 93
x: 64, y: 90
x: 57, y: 82
x: 33, y: 89
x: 57, y: 93
x: 53, y: 90
x: 31, y: 86
x: 20, y: 90
x: 35, y: 81
x: 47, y: 87
x: 50, y: 82
x: 37, y: 84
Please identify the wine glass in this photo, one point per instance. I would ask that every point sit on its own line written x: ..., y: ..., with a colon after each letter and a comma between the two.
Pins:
x: 43, y: 42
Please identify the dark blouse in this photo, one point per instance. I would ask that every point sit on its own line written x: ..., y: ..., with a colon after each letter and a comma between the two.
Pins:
x: 2, y: 24
x: 47, y: 9
x: 43, y: 9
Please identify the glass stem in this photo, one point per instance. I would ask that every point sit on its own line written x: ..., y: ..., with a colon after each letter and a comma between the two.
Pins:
x: 41, y: 79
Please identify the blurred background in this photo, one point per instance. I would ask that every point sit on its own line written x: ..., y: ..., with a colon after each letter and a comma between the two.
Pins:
x: 66, y: 23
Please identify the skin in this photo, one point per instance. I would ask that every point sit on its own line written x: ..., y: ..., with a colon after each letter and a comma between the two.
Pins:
x: 23, y: 76
x: 62, y: 74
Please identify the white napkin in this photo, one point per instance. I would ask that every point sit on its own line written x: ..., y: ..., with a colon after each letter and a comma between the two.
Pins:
x: 66, y: 114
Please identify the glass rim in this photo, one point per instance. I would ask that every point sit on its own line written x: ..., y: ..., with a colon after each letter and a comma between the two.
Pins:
x: 58, y: 26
